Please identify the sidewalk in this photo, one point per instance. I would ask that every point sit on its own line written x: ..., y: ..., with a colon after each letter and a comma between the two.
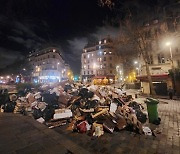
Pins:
x: 23, y: 135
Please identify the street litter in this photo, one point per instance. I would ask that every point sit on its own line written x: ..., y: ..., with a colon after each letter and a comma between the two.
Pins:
x: 88, y: 109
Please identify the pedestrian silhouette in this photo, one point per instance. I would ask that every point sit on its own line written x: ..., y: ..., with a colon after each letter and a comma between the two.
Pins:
x: 170, y: 92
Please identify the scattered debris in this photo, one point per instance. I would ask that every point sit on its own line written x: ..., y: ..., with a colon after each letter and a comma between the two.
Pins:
x: 85, y: 108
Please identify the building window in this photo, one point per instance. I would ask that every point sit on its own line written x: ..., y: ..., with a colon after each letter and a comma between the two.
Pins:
x: 110, y: 65
x: 104, y: 58
x: 99, y: 42
x: 104, y: 52
x: 99, y: 47
x: 110, y: 58
x: 91, y: 72
x: 150, y: 59
x: 104, y: 41
x: 110, y: 52
x: 104, y: 65
x: 84, y: 56
x: 161, y: 58
x: 88, y: 72
x: 84, y: 72
x: 88, y: 66
x: 110, y: 71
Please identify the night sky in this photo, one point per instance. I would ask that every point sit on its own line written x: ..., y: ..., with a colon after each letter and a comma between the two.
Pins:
x: 26, y: 25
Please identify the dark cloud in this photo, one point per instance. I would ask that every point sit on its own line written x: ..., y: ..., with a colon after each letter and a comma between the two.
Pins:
x: 8, y: 57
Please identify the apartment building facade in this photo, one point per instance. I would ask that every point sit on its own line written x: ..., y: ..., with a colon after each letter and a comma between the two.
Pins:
x: 100, y: 61
x: 164, y: 55
x: 47, y: 65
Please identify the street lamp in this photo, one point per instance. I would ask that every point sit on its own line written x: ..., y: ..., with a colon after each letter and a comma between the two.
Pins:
x: 135, y: 62
x: 172, y: 64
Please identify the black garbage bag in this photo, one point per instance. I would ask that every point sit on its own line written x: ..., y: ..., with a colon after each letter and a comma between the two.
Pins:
x: 48, y: 113
x: 67, y: 87
x: 83, y: 93
x: 37, y: 113
x: 9, y: 106
x: 90, y: 94
x: 134, y: 105
x: 50, y: 99
x: 91, y: 104
x: 141, y: 116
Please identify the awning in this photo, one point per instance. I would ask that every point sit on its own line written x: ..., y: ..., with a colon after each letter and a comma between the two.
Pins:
x: 157, y: 77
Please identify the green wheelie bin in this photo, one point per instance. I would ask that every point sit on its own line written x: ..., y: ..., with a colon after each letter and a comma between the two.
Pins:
x: 152, y: 109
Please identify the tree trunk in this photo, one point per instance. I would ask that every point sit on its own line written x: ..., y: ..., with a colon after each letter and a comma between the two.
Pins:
x: 152, y: 91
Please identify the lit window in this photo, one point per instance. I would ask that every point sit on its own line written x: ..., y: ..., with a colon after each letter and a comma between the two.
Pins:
x: 104, y: 52
x: 92, y: 54
x: 100, y: 59
x: 101, y: 66
x: 99, y: 42
x: 84, y: 66
x: 84, y: 61
x: 99, y: 47
x: 110, y: 52
x: 54, y: 50
x: 104, y: 41
x: 88, y: 55
x: 85, y: 50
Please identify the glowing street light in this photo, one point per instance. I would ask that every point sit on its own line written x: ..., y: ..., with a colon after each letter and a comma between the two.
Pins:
x: 24, y: 69
x: 135, y: 62
x: 168, y: 44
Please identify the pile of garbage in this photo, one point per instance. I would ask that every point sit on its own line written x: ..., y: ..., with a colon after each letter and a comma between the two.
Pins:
x: 88, y: 109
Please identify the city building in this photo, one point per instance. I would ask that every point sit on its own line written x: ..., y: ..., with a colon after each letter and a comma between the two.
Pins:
x: 163, y: 56
x: 100, y: 61
x: 47, y: 65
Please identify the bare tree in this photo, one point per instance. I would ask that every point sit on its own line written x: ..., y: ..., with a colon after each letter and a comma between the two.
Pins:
x: 132, y: 35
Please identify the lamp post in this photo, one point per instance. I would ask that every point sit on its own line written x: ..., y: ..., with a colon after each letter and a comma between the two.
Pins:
x: 172, y: 64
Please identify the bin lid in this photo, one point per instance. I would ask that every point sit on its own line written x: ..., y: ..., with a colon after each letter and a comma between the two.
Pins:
x: 152, y: 100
